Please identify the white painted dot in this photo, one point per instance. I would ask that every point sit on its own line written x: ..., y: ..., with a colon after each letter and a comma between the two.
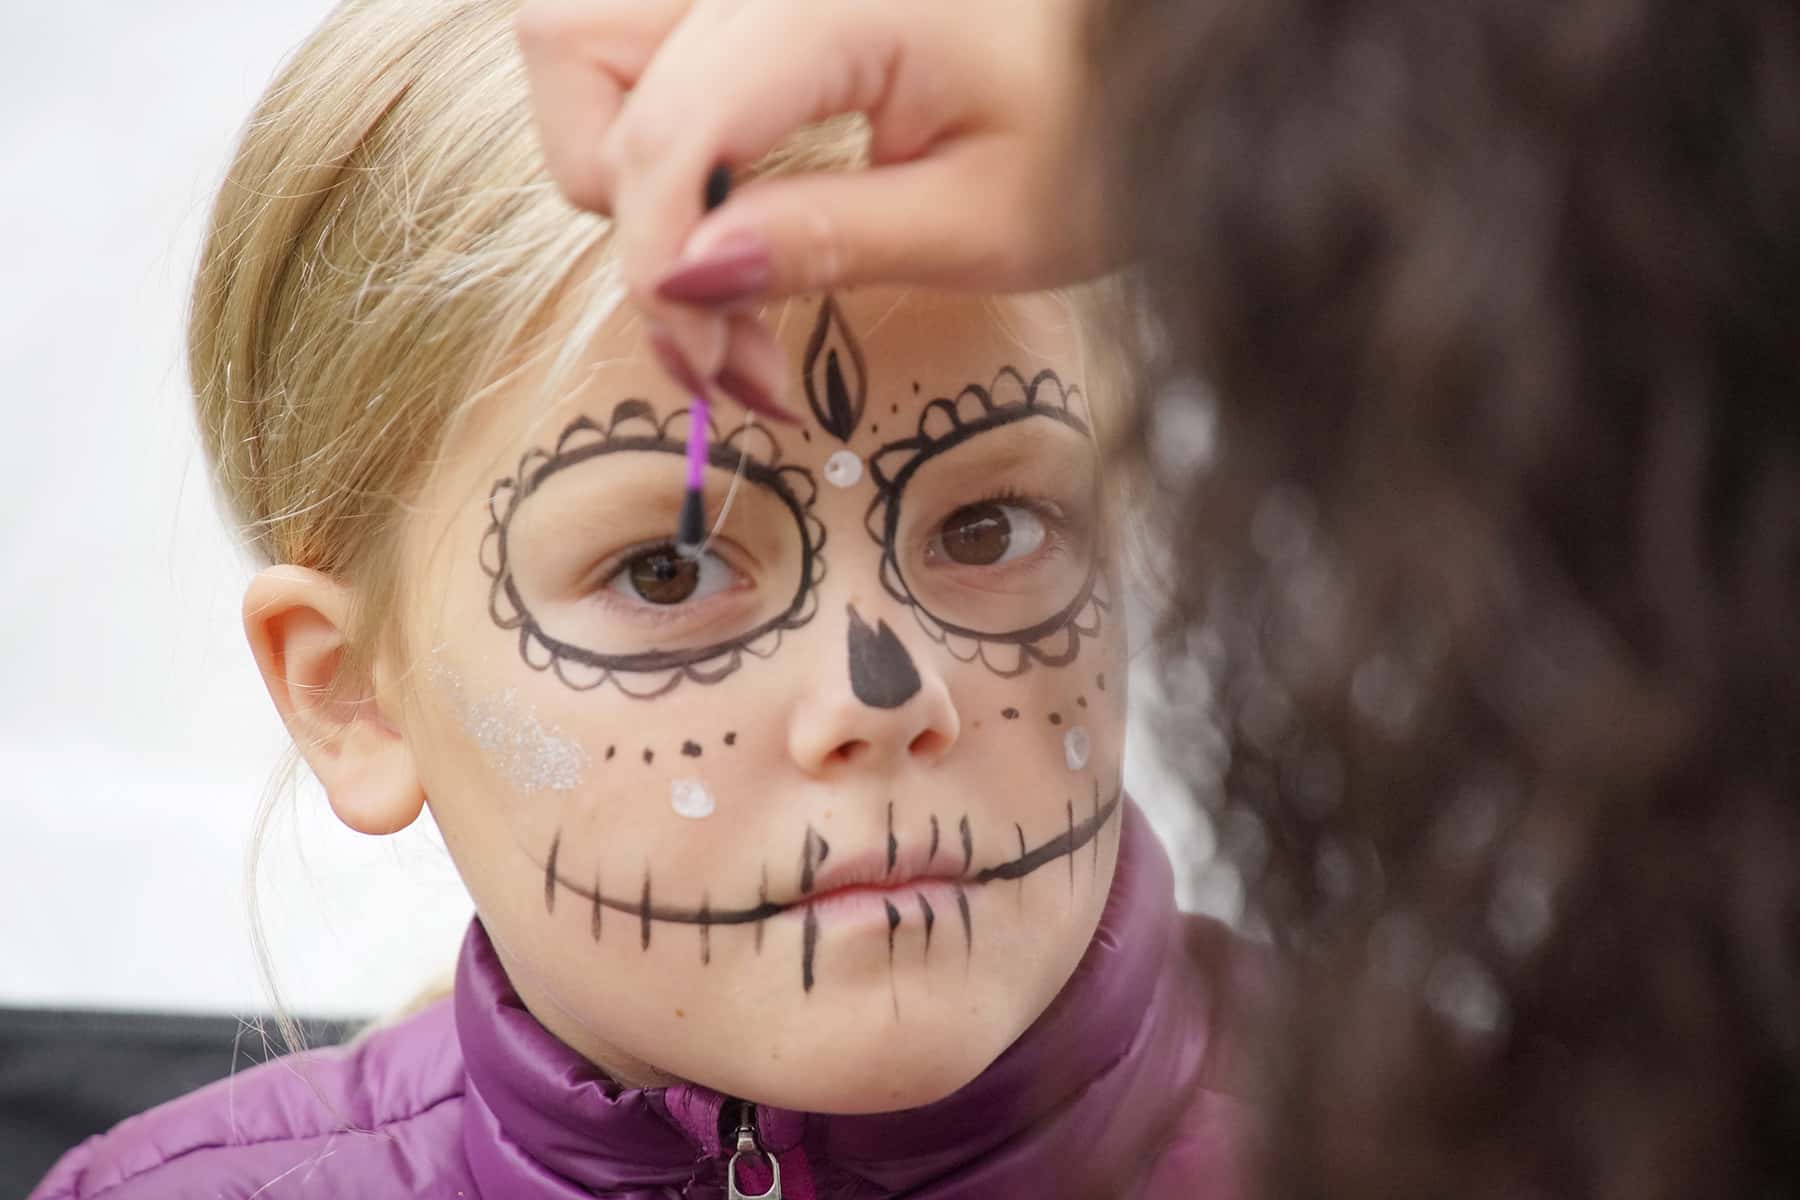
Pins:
x: 689, y: 798
x: 843, y: 469
x: 1075, y: 748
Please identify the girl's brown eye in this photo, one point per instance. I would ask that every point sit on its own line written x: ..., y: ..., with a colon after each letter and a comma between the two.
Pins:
x: 980, y: 535
x: 977, y: 534
x: 662, y: 576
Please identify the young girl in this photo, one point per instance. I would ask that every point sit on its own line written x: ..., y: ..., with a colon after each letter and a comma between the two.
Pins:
x: 801, y: 863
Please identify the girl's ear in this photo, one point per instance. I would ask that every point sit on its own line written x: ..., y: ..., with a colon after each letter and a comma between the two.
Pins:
x: 296, y: 619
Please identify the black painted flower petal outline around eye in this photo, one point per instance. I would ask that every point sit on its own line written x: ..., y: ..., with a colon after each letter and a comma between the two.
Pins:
x: 943, y: 424
x: 634, y: 426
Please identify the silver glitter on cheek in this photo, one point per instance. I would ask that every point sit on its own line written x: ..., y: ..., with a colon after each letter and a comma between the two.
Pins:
x: 531, y: 755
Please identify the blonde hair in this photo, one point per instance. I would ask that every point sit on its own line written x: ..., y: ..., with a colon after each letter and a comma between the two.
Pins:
x: 385, y: 248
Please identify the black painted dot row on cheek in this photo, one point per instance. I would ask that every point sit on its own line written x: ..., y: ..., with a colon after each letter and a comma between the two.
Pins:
x: 1056, y: 718
x: 689, y: 749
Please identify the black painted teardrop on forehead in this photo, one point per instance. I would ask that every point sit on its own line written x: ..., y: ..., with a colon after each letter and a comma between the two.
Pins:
x: 882, y: 673
x: 836, y: 378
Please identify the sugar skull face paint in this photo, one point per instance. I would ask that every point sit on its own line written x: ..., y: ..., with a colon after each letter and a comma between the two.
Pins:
x: 802, y: 812
x: 1044, y: 613
x: 882, y: 674
x: 1076, y: 747
x: 689, y: 798
x: 836, y: 379
x: 539, y: 591
x: 843, y: 469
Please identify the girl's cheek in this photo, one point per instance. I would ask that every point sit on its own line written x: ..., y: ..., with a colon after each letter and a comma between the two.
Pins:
x: 1079, y: 714
x: 520, y: 746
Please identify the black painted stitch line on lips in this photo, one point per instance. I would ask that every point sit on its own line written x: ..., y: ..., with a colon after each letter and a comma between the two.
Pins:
x: 813, y: 849
x: 893, y: 845
x: 1065, y: 844
x: 809, y: 938
x: 1020, y: 830
x: 550, y: 873
x: 893, y: 923
x: 644, y: 909
x: 962, y: 907
x: 1028, y: 861
x: 1069, y: 809
x: 762, y: 902
x: 1096, y: 874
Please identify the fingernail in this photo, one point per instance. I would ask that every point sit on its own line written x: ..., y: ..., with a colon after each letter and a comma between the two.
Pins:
x: 675, y: 362
x: 736, y: 269
x: 754, y: 396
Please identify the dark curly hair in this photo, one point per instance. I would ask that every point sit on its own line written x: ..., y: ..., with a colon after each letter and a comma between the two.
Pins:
x: 1475, y: 425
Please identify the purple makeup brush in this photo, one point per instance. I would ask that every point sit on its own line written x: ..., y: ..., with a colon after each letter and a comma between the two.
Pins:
x: 690, y: 530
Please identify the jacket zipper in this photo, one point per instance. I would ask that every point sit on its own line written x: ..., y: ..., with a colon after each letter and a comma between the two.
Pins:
x: 747, y: 1144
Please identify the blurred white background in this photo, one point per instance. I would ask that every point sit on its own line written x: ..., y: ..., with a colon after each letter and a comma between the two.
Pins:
x: 135, y: 738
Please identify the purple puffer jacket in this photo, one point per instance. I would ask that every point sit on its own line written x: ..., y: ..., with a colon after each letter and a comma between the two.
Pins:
x: 1112, y: 1092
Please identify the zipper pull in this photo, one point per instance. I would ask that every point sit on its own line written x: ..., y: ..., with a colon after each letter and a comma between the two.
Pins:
x: 747, y: 1144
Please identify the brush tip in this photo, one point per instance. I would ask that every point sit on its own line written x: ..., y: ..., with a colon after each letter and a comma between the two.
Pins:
x: 690, y: 532
x: 718, y: 186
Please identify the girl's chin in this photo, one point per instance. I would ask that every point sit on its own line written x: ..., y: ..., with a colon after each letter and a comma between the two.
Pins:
x: 849, y: 1054
x: 862, y: 1079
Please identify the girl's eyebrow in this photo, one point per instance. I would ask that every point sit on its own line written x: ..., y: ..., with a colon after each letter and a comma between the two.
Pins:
x: 593, y: 491
x: 1023, y: 444
x: 635, y: 425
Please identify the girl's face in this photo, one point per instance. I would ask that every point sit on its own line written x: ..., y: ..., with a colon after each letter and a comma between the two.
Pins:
x: 826, y: 817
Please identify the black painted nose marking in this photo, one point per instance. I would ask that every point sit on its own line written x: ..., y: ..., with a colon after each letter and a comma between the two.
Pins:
x: 881, y: 671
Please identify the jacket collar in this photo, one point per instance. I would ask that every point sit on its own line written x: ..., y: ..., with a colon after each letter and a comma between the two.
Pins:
x: 542, y: 1120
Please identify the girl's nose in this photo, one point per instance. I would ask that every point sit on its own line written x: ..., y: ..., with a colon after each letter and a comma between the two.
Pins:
x: 876, y: 706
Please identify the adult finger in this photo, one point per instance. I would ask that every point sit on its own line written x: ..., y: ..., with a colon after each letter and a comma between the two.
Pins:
x: 909, y: 223
x: 756, y: 369
x: 581, y: 57
x: 727, y: 92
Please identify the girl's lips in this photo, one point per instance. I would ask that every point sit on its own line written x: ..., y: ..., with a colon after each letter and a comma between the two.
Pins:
x: 870, y: 903
x: 866, y: 884
x: 895, y: 869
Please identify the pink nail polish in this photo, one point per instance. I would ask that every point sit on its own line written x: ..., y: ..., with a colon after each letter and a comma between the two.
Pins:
x: 736, y: 269
x: 675, y: 362
x: 753, y: 396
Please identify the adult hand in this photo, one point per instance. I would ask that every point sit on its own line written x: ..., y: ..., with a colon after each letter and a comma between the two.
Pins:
x: 978, y: 178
